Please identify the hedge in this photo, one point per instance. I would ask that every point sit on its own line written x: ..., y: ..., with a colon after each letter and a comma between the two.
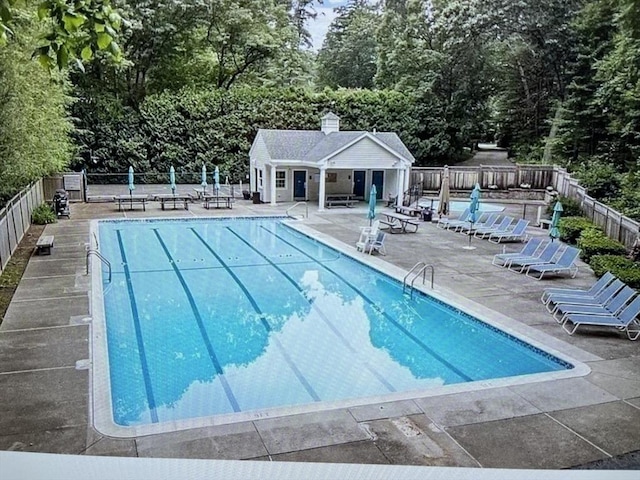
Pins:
x: 626, y: 270
x: 593, y: 242
x: 571, y: 228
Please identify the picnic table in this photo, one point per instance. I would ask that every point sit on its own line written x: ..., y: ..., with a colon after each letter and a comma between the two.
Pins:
x: 399, y: 223
x: 220, y: 201
x: 175, y: 198
x: 411, y: 211
x: 131, y: 199
x: 200, y: 192
x: 341, y: 200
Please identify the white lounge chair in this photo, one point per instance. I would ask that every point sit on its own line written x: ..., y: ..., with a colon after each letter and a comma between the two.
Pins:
x: 447, y: 222
x: 378, y: 244
x: 610, y: 307
x: 528, y: 250
x: 545, y: 256
x: 601, y: 297
x: 515, y: 234
x: 566, y: 263
x: 367, y: 235
x: 502, y: 227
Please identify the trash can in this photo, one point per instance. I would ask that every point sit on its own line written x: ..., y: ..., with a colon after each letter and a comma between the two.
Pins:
x: 427, y: 215
x: 246, y: 195
x: 256, y: 197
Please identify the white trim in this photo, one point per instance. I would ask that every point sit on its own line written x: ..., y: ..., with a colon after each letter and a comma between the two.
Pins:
x: 358, y: 139
x: 282, y: 170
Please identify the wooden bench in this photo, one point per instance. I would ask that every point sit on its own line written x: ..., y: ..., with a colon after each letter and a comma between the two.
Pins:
x: 341, y: 203
x: 131, y: 199
x: 408, y: 210
x: 545, y: 224
x: 44, y: 245
x: 169, y: 198
x: 218, y: 200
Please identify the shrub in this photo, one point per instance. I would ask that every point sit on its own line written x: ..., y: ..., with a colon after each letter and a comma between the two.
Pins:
x: 571, y: 228
x: 570, y: 207
x: 43, y: 214
x: 626, y: 270
x: 593, y: 242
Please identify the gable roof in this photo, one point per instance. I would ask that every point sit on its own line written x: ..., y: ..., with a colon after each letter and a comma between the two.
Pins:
x: 313, y: 146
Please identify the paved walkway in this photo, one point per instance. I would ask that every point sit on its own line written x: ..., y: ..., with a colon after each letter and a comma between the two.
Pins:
x: 45, y: 380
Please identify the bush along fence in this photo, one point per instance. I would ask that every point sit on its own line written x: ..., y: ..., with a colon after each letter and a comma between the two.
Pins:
x: 15, y: 219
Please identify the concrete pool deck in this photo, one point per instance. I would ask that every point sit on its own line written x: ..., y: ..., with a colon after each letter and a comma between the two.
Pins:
x: 584, y: 421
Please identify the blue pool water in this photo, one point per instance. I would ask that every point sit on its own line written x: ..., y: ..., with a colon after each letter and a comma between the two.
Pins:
x: 461, y: 205
x: 214, y: 316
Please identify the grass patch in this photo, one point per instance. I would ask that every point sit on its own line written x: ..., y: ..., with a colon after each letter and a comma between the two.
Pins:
x: 12, y: 273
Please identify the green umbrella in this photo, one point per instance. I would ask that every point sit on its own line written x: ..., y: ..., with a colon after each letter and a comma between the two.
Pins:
x: 554, y: 232
x: 371, y: 214
x: 172, y: 179
x: 474, y: 207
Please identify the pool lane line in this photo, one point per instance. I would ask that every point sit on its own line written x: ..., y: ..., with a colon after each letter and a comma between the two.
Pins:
x: 138, y: 329
x: 330, y: 324
x: 419, y: 342
x: 205, y: 337
x: 307, y: 386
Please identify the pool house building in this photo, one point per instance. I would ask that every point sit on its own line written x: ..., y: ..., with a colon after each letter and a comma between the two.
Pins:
x: 311, y: 165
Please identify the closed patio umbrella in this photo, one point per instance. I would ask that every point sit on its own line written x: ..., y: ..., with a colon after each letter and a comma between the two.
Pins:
x: 554, y: 232
x: 131, y: 184
x: 371, y: 214
x: 216, y: 180
x: 474, y: 206
x: 443, y: 196
x: 172, y: 179
x: 204, y: 178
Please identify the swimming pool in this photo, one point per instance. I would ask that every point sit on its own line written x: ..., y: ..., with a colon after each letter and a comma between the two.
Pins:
x: 215, y: 318
x: 461, y: 205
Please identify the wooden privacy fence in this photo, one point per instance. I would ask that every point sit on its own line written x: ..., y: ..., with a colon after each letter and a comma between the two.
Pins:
x: 15, y: 220
x: 487, y: 176
x: 614, y: 224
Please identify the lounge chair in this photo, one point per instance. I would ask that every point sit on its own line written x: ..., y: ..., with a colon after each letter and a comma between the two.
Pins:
x: 610, y: 307
x: 545, y: 256
x: 445, y: 222
x: 566, y: 263
x: 367, y: 235
x: 517, y: 234
x: 502, y: 227
x: 627, y: 320
x: 469, y: 228
x: 600, y: 298
x: 527, y: 251
x: 550, y: 293
x: 378, y: 244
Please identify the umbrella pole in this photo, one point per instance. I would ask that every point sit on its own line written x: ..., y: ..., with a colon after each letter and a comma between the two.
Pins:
x: 469, y: 247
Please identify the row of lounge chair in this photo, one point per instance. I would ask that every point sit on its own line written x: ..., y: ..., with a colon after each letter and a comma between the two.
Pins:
x: 608, y: 303
x: 538, y: 257
x: 489, y: 226
x: 371, y: 239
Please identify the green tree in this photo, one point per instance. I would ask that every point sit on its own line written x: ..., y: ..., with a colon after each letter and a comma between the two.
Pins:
x: 349, y: 53
x: 34, y: 133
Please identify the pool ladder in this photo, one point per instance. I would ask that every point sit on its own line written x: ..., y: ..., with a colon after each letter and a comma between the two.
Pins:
x: 418, y: 269
x: 306, y: 209
x: 94, y: 251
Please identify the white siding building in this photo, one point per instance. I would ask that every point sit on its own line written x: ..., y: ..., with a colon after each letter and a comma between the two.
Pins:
x: 289, y: 165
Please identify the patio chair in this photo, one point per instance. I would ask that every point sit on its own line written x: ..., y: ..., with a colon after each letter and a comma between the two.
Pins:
x: 367, y: 235
x: 600, y: 298
x: 527, y: 251
x: 566, y: 263
x: 517, y: 234
x: 610, y: 307
x: 502, y: 227
x: 378, y: 244
x: 468, y: 227
x: 445, y: 222
x: 626, y: 321
x: 550, y: 293
x: 545, y: 256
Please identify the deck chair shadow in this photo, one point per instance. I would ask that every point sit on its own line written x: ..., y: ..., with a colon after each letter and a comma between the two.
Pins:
x: 627, y: 320
x: 550, y: 293
x: 566, y: 263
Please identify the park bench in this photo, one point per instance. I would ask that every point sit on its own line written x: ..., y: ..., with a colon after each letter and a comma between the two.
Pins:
x: 44, y: 245
x: 345, y: 200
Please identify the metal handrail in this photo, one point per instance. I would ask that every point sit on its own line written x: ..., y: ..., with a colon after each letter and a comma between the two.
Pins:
x: 423, y: 271
x: 306, y: 209
x: 102, y: 259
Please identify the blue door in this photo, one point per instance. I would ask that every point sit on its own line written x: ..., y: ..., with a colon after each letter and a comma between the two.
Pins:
x: 358, y: 182
x: 299, y: 184
x: 377, y: 179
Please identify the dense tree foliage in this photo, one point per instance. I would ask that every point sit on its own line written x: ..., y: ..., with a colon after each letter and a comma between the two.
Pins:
x: 552, y: 80
x: 34, y: 128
